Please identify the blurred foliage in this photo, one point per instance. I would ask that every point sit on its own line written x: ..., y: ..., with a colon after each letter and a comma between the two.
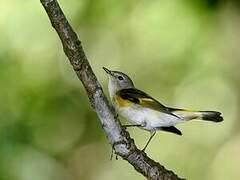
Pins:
x: 184, y: 53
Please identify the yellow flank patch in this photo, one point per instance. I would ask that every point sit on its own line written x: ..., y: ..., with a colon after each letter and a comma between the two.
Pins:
x: 122, y: 102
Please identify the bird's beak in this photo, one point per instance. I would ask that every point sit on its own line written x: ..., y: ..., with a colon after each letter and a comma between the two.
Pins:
x: 107, y: 71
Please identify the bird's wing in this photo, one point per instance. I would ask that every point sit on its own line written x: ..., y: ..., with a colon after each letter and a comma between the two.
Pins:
x: 141, y: 98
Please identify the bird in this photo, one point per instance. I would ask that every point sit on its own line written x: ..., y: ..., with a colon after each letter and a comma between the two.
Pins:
x: 145, y: 112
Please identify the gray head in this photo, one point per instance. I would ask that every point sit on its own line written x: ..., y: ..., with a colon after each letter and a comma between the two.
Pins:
x: 117, y: 81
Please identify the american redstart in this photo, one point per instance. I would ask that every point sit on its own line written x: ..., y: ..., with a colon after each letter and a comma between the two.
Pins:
x: 145, y: 112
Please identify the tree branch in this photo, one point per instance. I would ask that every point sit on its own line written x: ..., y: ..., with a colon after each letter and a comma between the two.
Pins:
x: 119, y: 138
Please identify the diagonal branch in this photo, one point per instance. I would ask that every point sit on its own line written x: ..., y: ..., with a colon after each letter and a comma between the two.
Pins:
x: 119, y: 138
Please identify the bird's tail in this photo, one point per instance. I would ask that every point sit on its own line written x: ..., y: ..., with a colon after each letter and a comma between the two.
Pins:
x: 213, y: 116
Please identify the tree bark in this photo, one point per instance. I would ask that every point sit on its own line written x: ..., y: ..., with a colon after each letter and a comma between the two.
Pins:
x: 119, y: 138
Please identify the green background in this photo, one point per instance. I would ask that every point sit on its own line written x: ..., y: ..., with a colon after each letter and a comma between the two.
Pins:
x: 185, y: 53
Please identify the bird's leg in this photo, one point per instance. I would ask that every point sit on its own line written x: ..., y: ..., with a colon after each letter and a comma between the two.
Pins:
x: 131, y: 125
x: 125, y: 126
x: 152, y: 134
x: 134, y: 125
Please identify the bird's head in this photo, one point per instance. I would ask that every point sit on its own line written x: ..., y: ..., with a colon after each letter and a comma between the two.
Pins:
x: 118, y: 81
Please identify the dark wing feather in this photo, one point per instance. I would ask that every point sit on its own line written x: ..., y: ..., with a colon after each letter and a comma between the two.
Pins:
x: 139, y: 97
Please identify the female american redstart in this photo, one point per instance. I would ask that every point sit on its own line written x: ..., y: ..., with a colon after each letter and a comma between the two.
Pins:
x: 143, y: 111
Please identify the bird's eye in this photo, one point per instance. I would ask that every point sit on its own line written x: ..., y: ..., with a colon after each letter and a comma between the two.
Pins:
x: 120, y: 78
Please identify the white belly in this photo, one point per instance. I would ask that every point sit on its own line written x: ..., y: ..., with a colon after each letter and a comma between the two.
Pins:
x: 148, y: 118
